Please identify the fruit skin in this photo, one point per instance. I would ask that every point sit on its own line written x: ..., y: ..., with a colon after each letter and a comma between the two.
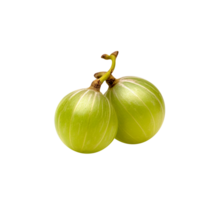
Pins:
x: 86, y: 121
x: 140, y: 109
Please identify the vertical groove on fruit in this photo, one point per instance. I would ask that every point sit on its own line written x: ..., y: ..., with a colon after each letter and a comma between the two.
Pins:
x: 122, y: 130
x: 141, y: 101
x: 76, y: 93
x: 73, y: 116
x: 88, y: 122
x: 129, y: 81
x: 129, y: 113
x: 106, y: 126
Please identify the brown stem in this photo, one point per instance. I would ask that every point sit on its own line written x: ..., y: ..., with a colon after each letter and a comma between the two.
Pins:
x: 96, y: 85
x: 105, y: 56
x: 111, y: 81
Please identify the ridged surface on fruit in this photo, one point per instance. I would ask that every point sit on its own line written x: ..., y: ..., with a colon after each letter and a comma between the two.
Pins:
x: 140, y: 109
x: 86, y: 121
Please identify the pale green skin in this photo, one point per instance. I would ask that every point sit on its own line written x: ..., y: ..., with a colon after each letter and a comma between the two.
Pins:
x: 140, y: 109
x: 86, y: 121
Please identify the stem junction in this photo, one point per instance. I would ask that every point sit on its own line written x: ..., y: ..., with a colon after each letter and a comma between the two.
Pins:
x: 112, y: 57
x: 96, y: 84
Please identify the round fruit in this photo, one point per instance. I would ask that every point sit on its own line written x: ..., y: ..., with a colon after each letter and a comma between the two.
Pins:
x: 139, y: 106
x: 85, y: 120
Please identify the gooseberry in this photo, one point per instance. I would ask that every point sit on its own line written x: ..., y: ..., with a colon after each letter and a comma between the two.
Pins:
x: 139, y: 106
x: 139, y: 103
x: 85, y: 120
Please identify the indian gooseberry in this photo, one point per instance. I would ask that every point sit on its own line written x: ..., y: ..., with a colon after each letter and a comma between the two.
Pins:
x: 85, y: 120
x: 139, y: 106
x: 139, y: 103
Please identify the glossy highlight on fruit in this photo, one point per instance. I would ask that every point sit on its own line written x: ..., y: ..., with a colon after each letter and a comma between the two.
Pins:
x: 85, y: 120
x: 141, y: 109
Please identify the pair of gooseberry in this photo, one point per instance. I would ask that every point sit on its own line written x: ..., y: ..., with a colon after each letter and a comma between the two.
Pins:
x: 132, y: 111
